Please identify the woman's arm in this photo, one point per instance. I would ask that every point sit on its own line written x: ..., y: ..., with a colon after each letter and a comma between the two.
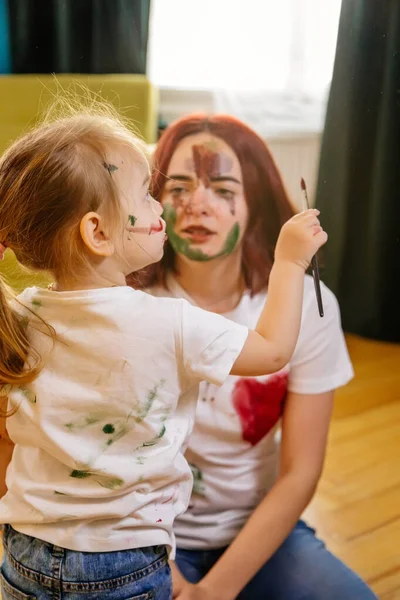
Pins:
x: 304, y: 437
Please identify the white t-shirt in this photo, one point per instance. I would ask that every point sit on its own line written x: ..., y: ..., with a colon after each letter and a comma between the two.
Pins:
x: 97, y: 464
x: 234, y: 448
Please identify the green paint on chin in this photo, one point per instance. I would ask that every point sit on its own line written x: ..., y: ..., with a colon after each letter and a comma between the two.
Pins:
x: 132, y: 220
x: 183, y: 246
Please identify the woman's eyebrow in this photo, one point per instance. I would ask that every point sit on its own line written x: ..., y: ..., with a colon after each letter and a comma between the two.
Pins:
x: 225, y: 178
x: 180, y: 177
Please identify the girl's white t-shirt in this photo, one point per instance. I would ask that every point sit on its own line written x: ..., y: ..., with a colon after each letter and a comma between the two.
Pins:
x: 98, y: 463
x: 234, y: 448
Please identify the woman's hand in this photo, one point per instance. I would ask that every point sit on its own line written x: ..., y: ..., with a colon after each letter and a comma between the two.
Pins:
x: 197, y: 592
x: 300, y: 238
x: 178, y: 580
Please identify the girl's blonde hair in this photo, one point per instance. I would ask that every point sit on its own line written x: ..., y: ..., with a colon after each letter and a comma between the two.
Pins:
x: 49, y: 179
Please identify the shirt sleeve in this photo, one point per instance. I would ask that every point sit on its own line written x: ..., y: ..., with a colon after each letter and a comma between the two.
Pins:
x: 320, y: 362
x: 210, y: 343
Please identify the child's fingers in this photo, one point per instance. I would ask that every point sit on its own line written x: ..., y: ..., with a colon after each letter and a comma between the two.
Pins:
x: 321, y: 238
x: 317, y: 229
x: 306, y: 214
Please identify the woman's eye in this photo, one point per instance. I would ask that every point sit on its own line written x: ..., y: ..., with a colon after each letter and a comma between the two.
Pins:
x: 228, y: 194
x: 177, y: 190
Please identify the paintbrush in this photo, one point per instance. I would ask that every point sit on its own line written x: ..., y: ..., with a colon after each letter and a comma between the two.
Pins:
x: 314, y: 260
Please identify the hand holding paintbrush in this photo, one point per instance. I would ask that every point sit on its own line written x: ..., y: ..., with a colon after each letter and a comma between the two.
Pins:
x: 314, y: 260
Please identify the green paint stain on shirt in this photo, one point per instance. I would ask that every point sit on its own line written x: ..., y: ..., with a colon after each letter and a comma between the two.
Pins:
x: 80, y: 474
x: 198, y: 485
x: 91, y: 420
x: 162, y: 431
x: 155, y: 439
x: 36, y: 303
x: 148, y: 403
x: 83, y: 423
x: 109, y: 428
x: 112, y: 484
x: 183, y: 246
x: 30, y: 396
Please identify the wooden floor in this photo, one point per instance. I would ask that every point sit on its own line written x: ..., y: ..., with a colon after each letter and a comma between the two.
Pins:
x: 357, y: 507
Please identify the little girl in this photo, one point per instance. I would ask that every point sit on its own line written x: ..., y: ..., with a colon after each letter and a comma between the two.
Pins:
x: 99, y: 382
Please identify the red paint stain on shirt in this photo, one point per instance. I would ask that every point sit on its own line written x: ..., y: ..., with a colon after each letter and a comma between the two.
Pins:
x: 259, y: 404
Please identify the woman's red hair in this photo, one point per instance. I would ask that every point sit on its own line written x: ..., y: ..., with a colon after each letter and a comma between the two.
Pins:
x: 266, y: 197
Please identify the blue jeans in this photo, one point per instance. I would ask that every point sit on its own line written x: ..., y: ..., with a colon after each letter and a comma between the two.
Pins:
x: 33, y: 569
x: 301, y: 569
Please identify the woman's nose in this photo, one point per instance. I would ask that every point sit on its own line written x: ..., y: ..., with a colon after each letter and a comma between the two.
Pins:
x: 199, y: 202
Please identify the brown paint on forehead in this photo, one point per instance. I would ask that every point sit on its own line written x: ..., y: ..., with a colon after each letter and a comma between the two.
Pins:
x: 209, y: 164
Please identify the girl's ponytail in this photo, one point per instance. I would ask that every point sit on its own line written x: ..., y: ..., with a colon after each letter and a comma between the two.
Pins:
x: 14, y: 347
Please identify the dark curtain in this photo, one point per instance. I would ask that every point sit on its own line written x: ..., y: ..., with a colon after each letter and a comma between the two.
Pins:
x: 79, y: 36
x: 359, y: 179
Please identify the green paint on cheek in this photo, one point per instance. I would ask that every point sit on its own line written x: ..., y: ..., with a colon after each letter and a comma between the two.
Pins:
x: 232, y: 239
x: 132, y: 220
x: 183, y: 246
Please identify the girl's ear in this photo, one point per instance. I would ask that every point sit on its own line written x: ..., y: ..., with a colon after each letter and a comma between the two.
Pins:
x: 93, y: 235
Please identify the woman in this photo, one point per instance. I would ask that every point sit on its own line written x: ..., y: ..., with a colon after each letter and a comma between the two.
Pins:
x: 242, y: 536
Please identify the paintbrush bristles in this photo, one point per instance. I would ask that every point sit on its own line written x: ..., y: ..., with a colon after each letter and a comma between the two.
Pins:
x: 304, y: 189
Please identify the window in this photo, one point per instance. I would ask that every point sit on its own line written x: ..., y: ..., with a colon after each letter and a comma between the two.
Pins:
x: 284, y: 47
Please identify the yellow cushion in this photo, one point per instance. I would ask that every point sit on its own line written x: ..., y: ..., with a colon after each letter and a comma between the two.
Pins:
x: 19, y: 278
x: 23, y: 97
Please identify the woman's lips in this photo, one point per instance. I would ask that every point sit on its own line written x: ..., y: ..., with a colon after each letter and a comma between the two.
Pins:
x: 198, y: 235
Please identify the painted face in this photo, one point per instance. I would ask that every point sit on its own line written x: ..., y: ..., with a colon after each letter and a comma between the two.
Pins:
x: 203, y: 200
x: 143, y: 227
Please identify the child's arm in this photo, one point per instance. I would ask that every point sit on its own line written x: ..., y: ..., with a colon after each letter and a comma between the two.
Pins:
x: 6, y: 450
x: 270, y: 347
